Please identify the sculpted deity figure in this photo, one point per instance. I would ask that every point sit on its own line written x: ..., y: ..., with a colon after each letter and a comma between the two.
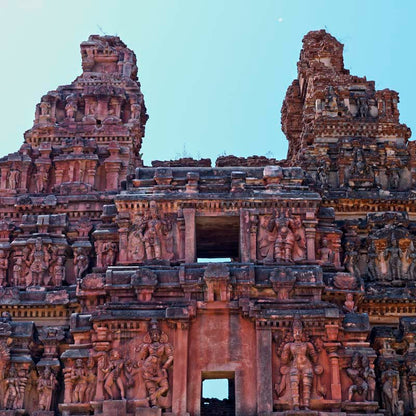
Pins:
x: 109, y: 254
x: 356, y: 374
x: 379, y: 261
x: 155, y: 357
x: 114, y: 375
x: 13, y: 179
x: 299, y: 360
x: 322, y: 175
x: 4, y: 265
x: 351, y: 259
x: 79, y: 381
x: 39, y: 262
x: 326, y: 255
x: 407, y: 256
x: 390, y: 380
x: 91, y: 380
x: 394, y: 259
x: 81, y: 262
x: 146, y: 238
x: 394, y: 179
x: 41, y: 180
x: 362, y: 107
x: 18, y: 272
x: 59, y: 271
x: 349, y: 304
x: 47, y: 384
x: 71, y: 109
x: 299, y: 247
x: 12, y: 391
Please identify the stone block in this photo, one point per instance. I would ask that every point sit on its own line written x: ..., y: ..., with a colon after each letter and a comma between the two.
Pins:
x: 148, y: 411
x: 114, y: 408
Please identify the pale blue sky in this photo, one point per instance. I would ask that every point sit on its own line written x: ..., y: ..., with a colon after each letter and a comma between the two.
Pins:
x: 213, y: 72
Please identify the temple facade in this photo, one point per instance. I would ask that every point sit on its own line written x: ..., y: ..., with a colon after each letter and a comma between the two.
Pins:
x: 124, y: 287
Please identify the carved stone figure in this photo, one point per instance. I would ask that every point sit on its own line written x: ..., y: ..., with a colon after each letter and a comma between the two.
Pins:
x: 326, y: 255
x: 299, y: 247
x: 349, y: 304
x: 47, y: 384
x: 378, y: 265
x: 156, y: 356
x: 41, y: 180
x: 13, y: 179
x: 79, y: 381
x: 81, y: 262
x: 114, y: 375
x: 12, y: 391
x: 39, y: 263
x: 18, y: 272
x: 407, y: 259
x: 390, y: 380
x: 351, y: 259
x: 356, y: 372
x: 284, y: 239
x: 109, y: 253
x: 299, y: 360
x: 59, y: 271
x: 149, y: 236
x: 91, y: 380
x: 394, y: 259
x: 4, y: 265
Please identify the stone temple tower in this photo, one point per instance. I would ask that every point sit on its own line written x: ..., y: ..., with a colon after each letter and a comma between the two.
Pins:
x: 125, y: 288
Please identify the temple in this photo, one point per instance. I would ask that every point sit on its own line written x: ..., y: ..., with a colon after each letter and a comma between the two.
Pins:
x: 124, y: 288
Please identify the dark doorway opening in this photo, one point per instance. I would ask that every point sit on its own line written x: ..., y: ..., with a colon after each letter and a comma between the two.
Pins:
x: 218, y: 394
x: 218, y: 238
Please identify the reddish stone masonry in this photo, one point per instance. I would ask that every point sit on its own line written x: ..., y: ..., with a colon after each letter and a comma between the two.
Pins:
x: 124, y: 287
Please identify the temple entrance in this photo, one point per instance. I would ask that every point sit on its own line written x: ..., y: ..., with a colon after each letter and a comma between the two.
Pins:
x: 218, y: 394
x: 218, y: 238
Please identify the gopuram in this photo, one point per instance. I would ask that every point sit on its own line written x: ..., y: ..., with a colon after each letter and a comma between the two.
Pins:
x: 111, y: 306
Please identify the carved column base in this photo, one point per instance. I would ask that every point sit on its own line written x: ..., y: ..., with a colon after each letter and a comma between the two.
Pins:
x: 148, y: 411
x: 114, y: 408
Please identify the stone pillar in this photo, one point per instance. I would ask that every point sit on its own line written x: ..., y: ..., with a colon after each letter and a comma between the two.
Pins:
x: 112, y: 175
x: 244, y: 235
x: 123, y: 233
x: 254, y: 225
x: 180, y: 370
x: 310, y: 231
x: 264, y: 369
x: 332, y: 348
x: 190, y: 235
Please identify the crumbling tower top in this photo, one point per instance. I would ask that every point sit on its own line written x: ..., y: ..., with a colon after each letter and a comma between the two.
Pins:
x: 326, y: 101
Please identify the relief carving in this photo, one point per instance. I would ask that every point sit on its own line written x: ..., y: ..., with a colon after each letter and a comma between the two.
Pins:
x: 299, y: 367
x: 155, y: 356
x: 282, y: 238
x: 151, y: 238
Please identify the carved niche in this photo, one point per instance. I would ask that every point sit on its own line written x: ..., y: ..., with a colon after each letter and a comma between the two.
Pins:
x: 151, y: 237
x: 299, y: 369
x: 281, y: 238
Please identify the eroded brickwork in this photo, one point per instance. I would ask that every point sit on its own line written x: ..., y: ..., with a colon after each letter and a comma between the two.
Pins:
x: 110, y: 305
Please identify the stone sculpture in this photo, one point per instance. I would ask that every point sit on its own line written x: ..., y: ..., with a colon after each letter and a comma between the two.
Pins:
x: 299, y: 360
x: 47, y: 384
x: 156, y: 356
